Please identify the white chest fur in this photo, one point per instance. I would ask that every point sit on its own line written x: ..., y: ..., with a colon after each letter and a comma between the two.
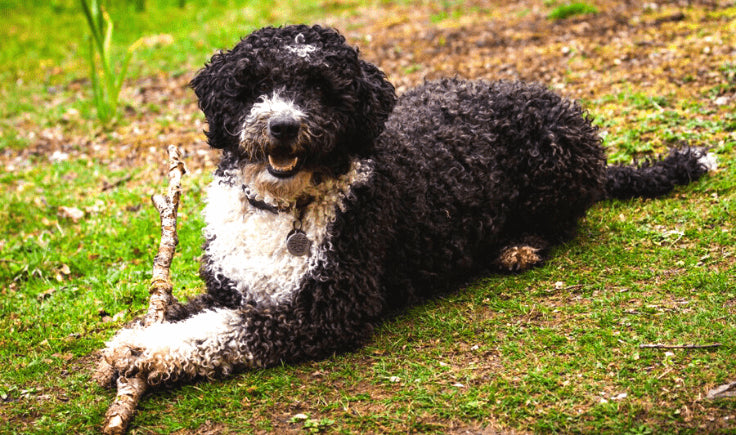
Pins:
x: 248, y: 245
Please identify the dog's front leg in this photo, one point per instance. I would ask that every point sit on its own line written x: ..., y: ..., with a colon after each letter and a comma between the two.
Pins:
x: 204, y: 345
x: 324, y: 319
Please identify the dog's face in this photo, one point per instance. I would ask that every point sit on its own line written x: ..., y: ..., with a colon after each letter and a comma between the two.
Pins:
x: 293, y: 101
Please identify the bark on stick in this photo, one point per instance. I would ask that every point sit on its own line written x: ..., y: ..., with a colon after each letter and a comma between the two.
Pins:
x: 130, y: 390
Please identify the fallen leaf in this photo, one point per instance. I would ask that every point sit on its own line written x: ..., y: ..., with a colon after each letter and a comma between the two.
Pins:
x: 58, y: 156
x: 46, y: 294
x: 72, y: 213
x: 64, y: 356
x: 299, y: 417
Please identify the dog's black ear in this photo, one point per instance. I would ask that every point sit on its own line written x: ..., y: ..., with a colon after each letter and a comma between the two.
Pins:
x: 377, y: 98
x: 216, y: 87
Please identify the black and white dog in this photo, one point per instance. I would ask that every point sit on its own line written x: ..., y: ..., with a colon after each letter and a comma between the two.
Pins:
x: 335, y: 203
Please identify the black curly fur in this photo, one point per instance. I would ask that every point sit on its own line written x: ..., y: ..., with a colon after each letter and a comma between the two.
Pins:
x: 654, y: 178
x: 461, y: 170
x: 341, y: 91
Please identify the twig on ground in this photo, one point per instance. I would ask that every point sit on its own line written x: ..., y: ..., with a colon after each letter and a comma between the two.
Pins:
x: 111, y: 185
x: 722, y: 391
x: 130, y: 390
x: 680, y: 346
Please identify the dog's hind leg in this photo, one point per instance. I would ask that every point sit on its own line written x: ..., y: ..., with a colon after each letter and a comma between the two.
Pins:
x: 522, y: 255
x: 518, y: 258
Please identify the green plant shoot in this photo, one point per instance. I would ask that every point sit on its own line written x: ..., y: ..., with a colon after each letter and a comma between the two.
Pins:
x: 106, y: 83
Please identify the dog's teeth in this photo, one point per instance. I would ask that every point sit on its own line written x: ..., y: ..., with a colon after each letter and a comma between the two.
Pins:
x: 283, y: 167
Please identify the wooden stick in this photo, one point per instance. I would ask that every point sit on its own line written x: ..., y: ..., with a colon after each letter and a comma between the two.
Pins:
x: 130, y: 390
x: 679, y: 346
x: 122, y: 409
x: 168, y: 207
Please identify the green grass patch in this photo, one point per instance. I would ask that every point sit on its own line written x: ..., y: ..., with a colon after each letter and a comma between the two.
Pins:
x: 654, y: 124
x: 45, y: 45
x: 568, y: 10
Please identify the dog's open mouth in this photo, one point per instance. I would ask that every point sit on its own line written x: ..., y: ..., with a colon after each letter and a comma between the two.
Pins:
x: 283, y: 166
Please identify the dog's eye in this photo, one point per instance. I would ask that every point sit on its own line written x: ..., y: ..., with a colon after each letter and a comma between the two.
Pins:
x: 317, y: 83
x: 262, y: 87
x: 315, y: 86
x: 321, y: 89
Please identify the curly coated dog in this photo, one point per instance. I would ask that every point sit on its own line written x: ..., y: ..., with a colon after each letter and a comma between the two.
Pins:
x: 336, y: 202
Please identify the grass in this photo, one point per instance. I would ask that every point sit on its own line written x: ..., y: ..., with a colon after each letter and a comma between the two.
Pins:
x: 552, y: 350
x: 45, y: 47
x: 572, y: 9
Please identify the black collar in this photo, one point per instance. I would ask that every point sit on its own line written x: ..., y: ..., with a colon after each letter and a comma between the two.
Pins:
x: 263, y: 205
x: 301, y: 203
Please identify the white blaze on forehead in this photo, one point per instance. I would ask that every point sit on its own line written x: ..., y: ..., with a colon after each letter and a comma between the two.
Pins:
x: 300, y: 48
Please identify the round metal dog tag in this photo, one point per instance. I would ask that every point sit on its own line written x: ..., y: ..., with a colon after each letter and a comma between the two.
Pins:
x: 297, y: 243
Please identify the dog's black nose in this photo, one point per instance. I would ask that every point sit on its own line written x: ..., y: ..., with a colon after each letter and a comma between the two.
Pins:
x: 283, y: 128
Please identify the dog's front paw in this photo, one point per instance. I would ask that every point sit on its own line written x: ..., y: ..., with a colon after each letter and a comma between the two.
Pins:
x: 116, y: 361
x: 136, y: 351
x: 119, y: 358
x: 204, y: 345
x: 104, y: 374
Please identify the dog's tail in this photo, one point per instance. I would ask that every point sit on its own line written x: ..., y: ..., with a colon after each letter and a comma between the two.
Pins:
x: 655, y: 178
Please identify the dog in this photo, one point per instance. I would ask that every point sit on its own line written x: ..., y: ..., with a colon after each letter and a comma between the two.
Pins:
x: 336, y: 203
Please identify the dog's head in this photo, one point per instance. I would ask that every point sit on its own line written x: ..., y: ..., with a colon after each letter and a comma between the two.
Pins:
x: 292, y: 101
